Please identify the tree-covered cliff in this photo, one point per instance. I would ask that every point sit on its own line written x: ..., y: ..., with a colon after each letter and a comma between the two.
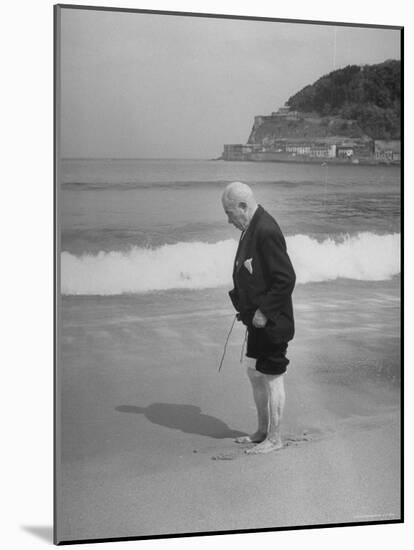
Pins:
x: 369, y: 94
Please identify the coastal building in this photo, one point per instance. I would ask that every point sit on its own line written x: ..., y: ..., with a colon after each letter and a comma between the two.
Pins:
x: 298, y: 148
x: 285, y: 112
x: 282, y: 111
x: 363, y: 148
x: 282, y: 137
x: 355, y: 147
x: 387, y: 150
x: 344, y: 151
x: 236, y: 151
x: 239, y: 151
x: 323, y: 150
x: 306, y: 147
x: 288, y: 148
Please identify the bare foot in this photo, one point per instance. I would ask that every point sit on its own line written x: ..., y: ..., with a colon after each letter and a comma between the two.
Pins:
x: 257, y: 437
x: 265, y: 446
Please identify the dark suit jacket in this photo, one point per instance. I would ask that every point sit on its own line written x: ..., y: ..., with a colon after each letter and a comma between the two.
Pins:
x: 268, y: 285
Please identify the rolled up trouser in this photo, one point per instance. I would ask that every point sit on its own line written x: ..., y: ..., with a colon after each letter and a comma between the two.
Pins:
x: 270, y: 355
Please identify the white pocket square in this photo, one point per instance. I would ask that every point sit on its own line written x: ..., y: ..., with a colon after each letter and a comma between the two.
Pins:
x: 248, y: 265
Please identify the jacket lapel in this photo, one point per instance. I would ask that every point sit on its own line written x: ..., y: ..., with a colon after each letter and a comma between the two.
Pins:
x: 245, y: 242
x: 238, y: 253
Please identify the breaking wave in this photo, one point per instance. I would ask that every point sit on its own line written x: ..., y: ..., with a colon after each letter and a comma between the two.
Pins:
x: 197, y: 265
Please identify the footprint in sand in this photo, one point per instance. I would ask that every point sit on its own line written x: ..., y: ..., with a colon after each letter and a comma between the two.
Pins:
x: 227, y: 456
x: 289, y: 440
x: 249, y: 451
x: 306, y: 435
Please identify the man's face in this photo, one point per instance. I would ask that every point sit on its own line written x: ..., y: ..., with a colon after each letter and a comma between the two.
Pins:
x: 236, y: 214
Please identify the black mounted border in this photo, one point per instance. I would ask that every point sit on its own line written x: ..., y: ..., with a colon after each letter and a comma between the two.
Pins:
x: 56, y: 263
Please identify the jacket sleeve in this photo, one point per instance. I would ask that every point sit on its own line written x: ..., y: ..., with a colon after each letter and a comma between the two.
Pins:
x: 234, y: 299
x: 278, y: 271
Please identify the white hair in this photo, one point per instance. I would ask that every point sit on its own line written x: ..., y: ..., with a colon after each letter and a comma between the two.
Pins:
x: 238, y: 192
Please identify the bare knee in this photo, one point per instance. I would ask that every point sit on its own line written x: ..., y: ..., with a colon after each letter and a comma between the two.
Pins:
x: 275, y: 386
x: 250, y: 363
x: 252, y: 373
x: 275, y: 380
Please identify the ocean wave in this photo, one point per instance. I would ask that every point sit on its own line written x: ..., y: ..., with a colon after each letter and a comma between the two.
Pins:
x: 198, y: 265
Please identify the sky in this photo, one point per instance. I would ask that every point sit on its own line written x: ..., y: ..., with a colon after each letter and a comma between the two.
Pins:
x: 139, y: 85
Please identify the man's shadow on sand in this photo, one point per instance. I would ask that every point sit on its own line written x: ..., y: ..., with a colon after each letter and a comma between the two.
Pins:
x: 187, y: 418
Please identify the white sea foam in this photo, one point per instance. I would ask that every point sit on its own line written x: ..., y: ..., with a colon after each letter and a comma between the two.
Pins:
x: 365, y: 257
x: 197, y: 265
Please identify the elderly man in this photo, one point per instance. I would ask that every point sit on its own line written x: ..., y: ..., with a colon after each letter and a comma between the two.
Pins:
x: 263, y: 279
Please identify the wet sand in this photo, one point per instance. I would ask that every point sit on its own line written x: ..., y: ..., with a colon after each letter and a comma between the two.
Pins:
x: 144, y: 413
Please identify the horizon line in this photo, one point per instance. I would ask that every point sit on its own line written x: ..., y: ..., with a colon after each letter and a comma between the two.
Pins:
x: 138, y: 158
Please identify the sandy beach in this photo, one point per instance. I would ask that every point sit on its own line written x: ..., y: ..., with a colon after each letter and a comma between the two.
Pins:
x: 145, y: 412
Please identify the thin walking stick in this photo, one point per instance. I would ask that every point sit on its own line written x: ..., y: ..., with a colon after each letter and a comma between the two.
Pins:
x: 243, y: 345
x: 225, y: 345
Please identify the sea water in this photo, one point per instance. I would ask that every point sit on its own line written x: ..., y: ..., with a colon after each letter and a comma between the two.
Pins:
x: 139, y: 226
x: 146, y: 243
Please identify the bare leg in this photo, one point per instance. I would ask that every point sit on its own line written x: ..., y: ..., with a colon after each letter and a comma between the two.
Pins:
x: 276, y: 399
x: 260, y: 394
